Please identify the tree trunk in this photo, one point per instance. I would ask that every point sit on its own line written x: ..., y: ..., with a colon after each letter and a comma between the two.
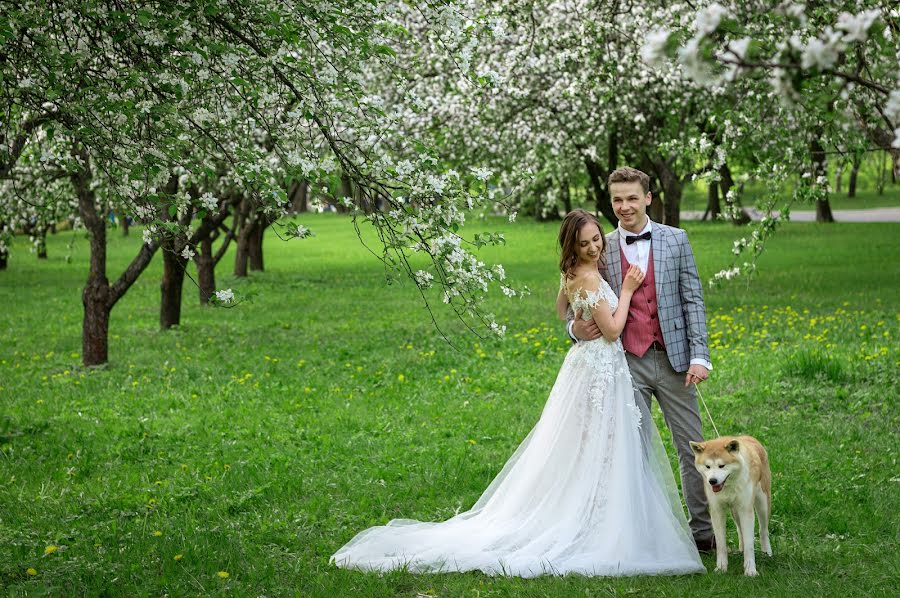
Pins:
x: 726, y: 182
x: 255, y: 246
x: 882, y: 175
x: 672, y: 188
x: 566, y: 196
x: 99, y: 297
x: 4, y: 250
x: 854, y: 171
x: 820, y: 170
x: 243, y: 238
x: 713, y: 206
x: 96, y: 296
x: 672, y: 206
x: 171, y: 286
x: 601, y: 192
x: 125, y: 224
x: 823, y: 211
x: 838, y: 177
x: 346, y: 191
x: 299, y: 197
x: 40, y: 241
x: 206, y: 271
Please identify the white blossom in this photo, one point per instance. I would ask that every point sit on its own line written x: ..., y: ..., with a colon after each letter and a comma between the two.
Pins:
x: 423, y: 278
x: 821, y: 53
x: 692, y: 63
x: 856, y: 27
x: 892, y: 109
x: 225, y: 296
x: 187, y: 253
x: 482, y: 174
x: 654, y: 47
x: 209, y: 202
x: 709, y: 18
x: 739, y: 47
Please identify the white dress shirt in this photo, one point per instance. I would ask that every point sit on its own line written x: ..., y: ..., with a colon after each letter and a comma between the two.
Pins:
x: 638, y: 253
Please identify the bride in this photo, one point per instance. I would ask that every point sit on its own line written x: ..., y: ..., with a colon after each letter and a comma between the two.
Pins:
x: 590, y: 489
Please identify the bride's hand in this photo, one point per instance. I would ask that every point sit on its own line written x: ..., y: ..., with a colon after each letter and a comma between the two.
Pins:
x: 633, y: 279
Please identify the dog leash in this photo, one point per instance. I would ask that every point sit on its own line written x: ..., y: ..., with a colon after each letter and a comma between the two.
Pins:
x: 700, y: 394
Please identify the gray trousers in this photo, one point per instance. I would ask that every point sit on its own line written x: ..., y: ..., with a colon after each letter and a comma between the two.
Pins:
x: 653, y: 375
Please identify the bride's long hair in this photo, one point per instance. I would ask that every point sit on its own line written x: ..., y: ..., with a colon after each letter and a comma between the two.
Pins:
x: 568, y: 240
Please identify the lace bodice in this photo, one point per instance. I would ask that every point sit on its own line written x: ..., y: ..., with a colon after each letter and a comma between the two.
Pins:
x: 585, y: 300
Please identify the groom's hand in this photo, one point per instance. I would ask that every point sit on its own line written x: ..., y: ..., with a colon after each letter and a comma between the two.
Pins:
x: 696, y: 374
x: 585, y: 330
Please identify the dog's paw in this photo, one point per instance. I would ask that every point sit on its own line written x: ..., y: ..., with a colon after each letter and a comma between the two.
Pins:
x: 722, y: 566
x: 750, y: 571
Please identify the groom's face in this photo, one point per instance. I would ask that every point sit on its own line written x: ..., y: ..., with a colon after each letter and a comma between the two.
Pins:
x: 630, y: 203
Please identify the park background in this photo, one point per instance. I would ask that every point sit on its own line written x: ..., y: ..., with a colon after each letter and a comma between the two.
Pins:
x: 256, y: 441
x: 181, y: 416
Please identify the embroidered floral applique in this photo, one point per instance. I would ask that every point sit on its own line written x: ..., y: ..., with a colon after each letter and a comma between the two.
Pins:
x: 605, y: 360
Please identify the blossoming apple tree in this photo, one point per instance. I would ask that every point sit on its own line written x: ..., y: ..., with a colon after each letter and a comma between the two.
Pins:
x: 170, y: 103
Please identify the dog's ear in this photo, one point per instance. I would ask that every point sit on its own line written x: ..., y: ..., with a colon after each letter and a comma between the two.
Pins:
x: 733, y: 446
x: 697, y: 447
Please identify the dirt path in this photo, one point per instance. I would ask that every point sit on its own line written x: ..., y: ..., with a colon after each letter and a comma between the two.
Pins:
x: 873, y: 215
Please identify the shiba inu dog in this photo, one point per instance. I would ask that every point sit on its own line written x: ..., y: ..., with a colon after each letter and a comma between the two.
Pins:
x: 737, y: 475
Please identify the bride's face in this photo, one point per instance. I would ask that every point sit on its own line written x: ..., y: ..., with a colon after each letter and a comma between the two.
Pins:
x: 590, y: 244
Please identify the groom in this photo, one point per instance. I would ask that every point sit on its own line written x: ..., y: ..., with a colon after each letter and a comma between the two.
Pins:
x: 665, y: 333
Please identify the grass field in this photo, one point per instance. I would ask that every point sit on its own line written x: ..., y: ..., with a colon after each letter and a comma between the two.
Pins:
x: 234, y: 454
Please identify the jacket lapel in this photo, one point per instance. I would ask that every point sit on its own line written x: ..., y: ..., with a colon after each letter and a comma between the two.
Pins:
x: 614, y: 262
x: 660, y: 248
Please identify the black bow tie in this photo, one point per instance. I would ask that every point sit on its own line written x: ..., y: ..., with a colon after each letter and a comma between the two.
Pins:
x: 635, y: 238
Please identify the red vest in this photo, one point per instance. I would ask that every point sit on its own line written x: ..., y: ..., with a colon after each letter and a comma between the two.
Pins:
x: 642, y: 326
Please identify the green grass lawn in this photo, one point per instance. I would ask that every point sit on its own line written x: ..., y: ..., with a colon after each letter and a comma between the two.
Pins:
x: 255, y: 441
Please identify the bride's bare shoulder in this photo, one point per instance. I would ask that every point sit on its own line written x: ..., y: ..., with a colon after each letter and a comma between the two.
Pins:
x: 583, y: 284
x: 586, y: 280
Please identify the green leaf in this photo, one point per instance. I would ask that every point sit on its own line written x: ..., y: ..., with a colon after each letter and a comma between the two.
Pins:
x: 385, y: 50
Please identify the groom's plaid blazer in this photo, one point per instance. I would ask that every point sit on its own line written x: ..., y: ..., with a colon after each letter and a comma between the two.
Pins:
x: 679, y: 292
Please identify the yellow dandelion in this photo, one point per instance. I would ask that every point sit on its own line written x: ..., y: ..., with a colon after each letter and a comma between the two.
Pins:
x: 223, y: 574
x: 401, y: 377
x: 51, y: 549
x: 31, y: 571
x: 157, y: 534
x: 178, y: 557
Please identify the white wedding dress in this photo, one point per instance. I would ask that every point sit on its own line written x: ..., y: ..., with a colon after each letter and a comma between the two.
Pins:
x: 589, y: 491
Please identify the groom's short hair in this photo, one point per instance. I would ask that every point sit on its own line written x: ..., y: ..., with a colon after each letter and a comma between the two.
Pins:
x: 627, y: 174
